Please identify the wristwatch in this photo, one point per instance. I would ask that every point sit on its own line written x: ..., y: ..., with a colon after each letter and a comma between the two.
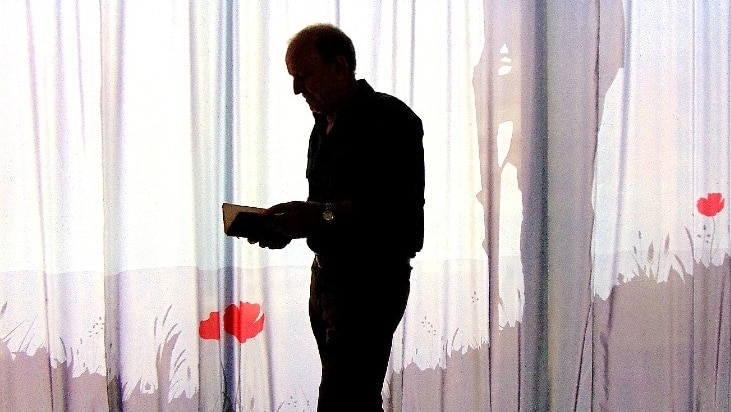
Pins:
x: 328, y: 214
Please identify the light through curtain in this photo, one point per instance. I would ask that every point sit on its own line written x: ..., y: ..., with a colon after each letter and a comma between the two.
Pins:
x: 577, y: 245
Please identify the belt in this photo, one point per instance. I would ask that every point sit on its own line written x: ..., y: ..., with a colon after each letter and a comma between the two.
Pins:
x: 326, y: 261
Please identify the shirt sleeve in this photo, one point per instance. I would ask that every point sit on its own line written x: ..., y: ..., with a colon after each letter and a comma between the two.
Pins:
x: 388, y: 207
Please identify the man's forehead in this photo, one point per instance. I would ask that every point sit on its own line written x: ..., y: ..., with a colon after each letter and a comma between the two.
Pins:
x: 301, y: 47
x: 300, y: 56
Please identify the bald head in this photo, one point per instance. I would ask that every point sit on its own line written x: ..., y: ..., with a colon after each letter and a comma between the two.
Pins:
x: 328, y: 41
x: 321, y: 60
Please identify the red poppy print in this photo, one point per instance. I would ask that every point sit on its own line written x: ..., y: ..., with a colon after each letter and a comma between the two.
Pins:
x: 243, y: 321
x: 210, y: 328
x: 711, y: 205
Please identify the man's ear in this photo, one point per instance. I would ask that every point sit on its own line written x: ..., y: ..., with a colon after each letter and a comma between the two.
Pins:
x: 341, y: 65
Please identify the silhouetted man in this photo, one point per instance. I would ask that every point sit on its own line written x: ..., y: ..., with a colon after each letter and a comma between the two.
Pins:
x: 364, y: 216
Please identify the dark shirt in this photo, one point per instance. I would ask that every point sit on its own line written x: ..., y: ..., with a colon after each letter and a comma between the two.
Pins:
x: 374, y: 157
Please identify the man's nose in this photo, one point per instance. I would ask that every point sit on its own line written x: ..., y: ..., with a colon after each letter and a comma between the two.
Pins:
x: 297, y: 86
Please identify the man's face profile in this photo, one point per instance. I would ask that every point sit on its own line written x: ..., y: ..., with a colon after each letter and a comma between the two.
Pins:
x: 311, y: 77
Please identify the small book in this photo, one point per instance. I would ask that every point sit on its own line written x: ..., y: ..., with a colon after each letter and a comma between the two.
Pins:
x: 243, y: 221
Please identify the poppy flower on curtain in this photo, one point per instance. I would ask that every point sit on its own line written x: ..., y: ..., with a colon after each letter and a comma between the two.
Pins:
x: 209, y: 328
x: 244, y: 321
x: 711, y: 205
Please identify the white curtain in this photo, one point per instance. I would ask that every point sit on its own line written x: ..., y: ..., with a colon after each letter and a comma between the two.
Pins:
x: 577, y: 168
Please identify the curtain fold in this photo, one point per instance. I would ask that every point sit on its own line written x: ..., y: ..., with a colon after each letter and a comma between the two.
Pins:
x: 573, y: 38
x: 510, y: 96
x: 577, y: 246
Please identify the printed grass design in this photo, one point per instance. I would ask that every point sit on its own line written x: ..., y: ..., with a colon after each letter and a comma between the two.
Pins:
x: 640, y: 337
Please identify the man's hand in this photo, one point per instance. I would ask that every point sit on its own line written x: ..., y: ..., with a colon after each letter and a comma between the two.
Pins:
x: 296, y: 219
x: 291, y: 220
x: 270, y: 239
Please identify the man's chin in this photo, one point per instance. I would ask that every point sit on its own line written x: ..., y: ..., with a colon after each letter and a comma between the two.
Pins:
x: 315, y: 108
x: 314, y: 105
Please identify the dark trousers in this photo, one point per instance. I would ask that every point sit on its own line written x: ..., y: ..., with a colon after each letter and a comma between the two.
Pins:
x: 355, y: 308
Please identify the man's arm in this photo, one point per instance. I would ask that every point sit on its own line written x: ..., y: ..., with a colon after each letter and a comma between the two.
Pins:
x: 300, y: 219
x: 390, y: 206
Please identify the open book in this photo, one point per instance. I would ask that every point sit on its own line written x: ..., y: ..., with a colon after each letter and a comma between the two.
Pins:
x: 243, y: 221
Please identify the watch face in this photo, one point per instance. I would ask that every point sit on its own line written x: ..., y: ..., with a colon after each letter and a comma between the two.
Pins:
x: 328, y: 215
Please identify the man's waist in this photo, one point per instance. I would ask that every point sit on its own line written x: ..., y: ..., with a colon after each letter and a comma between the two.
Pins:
x: 329, y: 260
x: 349, y: 248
